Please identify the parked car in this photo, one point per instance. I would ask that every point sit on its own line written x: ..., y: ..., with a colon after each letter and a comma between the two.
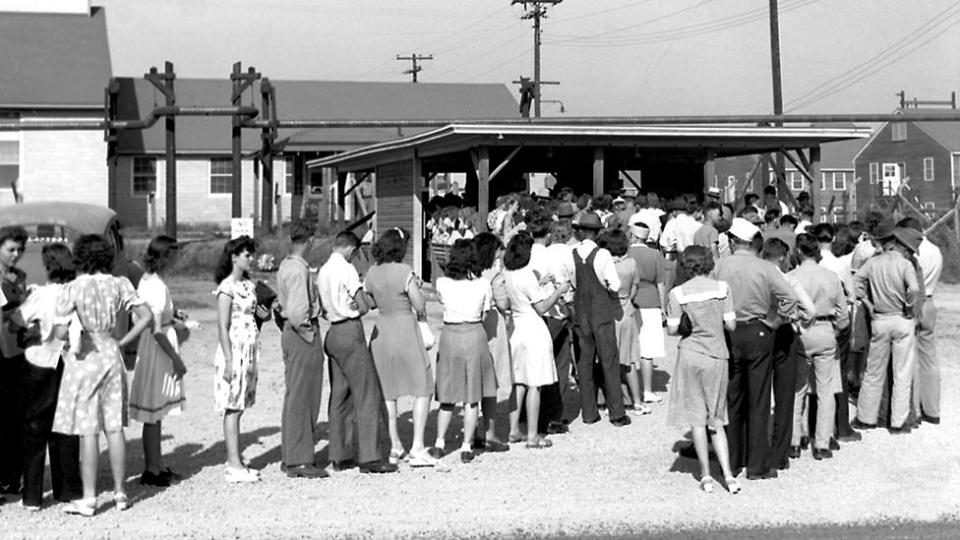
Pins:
x: 64, y: 222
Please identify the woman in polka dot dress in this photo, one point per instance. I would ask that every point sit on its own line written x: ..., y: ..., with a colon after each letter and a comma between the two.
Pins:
x: 93, y: 394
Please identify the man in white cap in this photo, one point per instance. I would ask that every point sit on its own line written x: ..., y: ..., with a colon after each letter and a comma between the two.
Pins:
x: 756, y: 286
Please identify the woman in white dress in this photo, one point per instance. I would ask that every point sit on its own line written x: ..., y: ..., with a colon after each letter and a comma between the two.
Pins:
x: 530, y: 344
x: 157, y: 379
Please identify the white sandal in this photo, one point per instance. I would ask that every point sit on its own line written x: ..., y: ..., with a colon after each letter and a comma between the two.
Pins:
x: 82, y: 507
x: 238, y: 476
x: 706, y: 484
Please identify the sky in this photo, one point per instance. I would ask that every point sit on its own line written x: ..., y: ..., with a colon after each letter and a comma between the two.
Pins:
x: 611, y: 57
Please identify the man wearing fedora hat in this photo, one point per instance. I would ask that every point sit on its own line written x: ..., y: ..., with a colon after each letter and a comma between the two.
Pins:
x: 595, y: 310
x: 757, y: 288
x: 887, y: 285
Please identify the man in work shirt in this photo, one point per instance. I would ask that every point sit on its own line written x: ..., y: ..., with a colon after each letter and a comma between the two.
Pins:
x: 888, y: 286
x: 819, y: 369
x: 755, y: 285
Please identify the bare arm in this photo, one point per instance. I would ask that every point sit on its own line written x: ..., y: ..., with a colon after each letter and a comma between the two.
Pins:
x: 544, y: 305
x: 416, y: 296
x: 360, y: 298
x: 144, y: 319
x: 223, y: 333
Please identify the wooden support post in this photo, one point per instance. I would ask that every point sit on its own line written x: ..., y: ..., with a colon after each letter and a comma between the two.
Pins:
x: 814, y: 170
x: 236, y: 192
x: 418, y: 233
x: 111, y: 94
x: 709, y: 169
x: 483, y: 184
x: 851, y: 201
x: 323, y: 213
x: 505, y: 162
x: 956, y: 219
x: 164, y: 83
x: 341, y: 199
x: 268, y: 200
x: 597, y: 171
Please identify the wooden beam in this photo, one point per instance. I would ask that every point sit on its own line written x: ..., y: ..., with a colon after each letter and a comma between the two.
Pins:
x: 741, y: 187
x: 910, y: 205
x: 418, y: 233
x: 943, y: 219
x: 483, y: 184
x: 709, y: 169
x: 505, y: 162
x: 814, y: 169
x: 629, y: 178
x: 357, y: 181
x: 326, y: 182
x: 802, y: 168
x: 341, y: 198
x: 598, y: 171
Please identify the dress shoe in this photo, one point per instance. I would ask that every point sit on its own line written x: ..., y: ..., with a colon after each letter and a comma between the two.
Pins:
x: 435, y: 453
x: 935, y: 420
x: 557, y: 428
x: 622, y: 421
x: 794, y: 452
x: 857, y: 424
x: 344, y: 465
x: 305, y: 471
x: 495, y: 447
x: 820, y: 453
x: 783, y: 465
x: 466, y: 456
x: 804, y: 442
x: 902, y: 430
x: 834, y: 445
x: 147, y: 478
x: 853, y: 436
x: 591, y: 421
x: 478, y: 445
x: 378, y: 467
x: 767, y: 475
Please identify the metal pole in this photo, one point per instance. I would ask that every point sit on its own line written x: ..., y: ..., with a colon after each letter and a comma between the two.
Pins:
x: 171, y: 157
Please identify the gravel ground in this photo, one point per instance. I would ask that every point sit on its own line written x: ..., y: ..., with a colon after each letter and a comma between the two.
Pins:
x: 596, y: 481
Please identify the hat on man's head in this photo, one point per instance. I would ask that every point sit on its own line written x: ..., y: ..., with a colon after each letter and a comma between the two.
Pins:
x: 909, y: 237
x: 743, y: 230
x: 589, y: 221
x: 566, y: 210
x: 883, y: 230
x: 713, y: 192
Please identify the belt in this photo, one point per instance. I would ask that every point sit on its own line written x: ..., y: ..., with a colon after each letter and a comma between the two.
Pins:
x: 827, y: 318
x: 462, y: 323
x: 342, y: 321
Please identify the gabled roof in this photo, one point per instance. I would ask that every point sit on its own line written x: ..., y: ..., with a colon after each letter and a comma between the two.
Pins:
x: 50, y: 60
x: 947, y: 133
x: 839, y: 155
x: 308, y: 100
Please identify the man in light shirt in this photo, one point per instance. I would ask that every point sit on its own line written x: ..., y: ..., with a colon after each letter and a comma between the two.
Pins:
x: 650, y: 215
x: 926, y: 382
x: 678, y: 233
x: 595, y: 312
x: 355, y: 396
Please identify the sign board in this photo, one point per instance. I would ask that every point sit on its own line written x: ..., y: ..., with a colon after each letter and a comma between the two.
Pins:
x: 241, y: 227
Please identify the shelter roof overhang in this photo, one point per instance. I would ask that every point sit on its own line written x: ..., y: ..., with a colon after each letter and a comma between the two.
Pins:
x: 722, y: 141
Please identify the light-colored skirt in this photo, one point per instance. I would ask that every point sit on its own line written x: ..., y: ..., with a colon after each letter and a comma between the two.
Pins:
x: 628, y: 336
x: 465, y: 372
x: 651, y: 334
x: 155, y: 392
x: 532, y: 351
x: 93, y: 393
x: 698, y: 391
x: 400, y: 356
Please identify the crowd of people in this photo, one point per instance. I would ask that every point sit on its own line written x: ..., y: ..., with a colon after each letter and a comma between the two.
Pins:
x: 773, y: 312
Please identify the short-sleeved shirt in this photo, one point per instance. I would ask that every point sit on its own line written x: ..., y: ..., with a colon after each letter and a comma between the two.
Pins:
x: 825, y: 290
x: 708, y: 304
x: 707, y: 236
x: 890, y: 282
x: 524, y: 291
x: 99, y: 300
x: 651, y: 271
x: 40, y: 307
x: 338, y: 283
x: 755, y: 285
x: 464, y: 300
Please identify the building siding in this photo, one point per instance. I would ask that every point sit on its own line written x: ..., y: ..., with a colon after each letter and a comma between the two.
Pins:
x: 394, y: 188
x: 911, y: 152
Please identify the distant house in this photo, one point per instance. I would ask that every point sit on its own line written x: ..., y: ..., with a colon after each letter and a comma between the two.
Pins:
x: 53, y: 66
x: 835, y: 189
x: 923, y: 155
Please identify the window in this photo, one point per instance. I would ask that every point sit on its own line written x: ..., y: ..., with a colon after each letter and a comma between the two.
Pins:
x: 823, y: 181
x: 144, y: 176
x: 928, y: 169
x: 823, y: 214
x: 874, y: 173
x: 929, y: 206
x: 221, y: 176
x: 289, y: 168
x: 9, y: 162
x: 839, y: 181
x: 796, y: 181
x: 899, y: 131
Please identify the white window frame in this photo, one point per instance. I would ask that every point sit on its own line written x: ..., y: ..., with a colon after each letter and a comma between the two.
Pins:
x: 133, y: 177
x: 929, y: 205
x: 289, y: 166
x: 874, y: 172
x: 928, y: 172
x: 796, y: 176
x: 211, y: 176
x: 843, y: 181
x: 823, y: 181
x: 898, y: 131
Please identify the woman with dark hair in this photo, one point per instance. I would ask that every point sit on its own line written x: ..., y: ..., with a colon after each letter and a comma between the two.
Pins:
x: 93, y: 396
x: 628, y: 333
x: 157, y: 389
x: 496, y: 324
x: 235, y: 364
x: 40, y: 385
x: 699, y: 311
x: 13, y: 287
x: 396, y: 344
x: 465, y: 371
x: 530, y: 343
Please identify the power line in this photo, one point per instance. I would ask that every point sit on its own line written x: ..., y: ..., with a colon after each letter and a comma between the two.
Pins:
x: 415, y: 59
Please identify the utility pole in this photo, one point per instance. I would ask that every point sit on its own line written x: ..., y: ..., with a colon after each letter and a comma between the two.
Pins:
x: 415, y: 59
x: 529, y: 94
x: 537, y: 12
x: 778, y: 90
x: 164, y: 83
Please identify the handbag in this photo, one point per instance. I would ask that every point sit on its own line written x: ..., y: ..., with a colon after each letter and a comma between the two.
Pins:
x: 686, y: 325
x: 429, y: 340
x: 266, y: 298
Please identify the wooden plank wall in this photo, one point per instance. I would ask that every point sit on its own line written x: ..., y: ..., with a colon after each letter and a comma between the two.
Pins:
x: 394, y: 200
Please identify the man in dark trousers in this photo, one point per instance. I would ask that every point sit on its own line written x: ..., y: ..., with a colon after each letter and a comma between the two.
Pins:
x: 595, y: 309
x: 354, y: 387
x: 302, y: 357
x: 755, y: 285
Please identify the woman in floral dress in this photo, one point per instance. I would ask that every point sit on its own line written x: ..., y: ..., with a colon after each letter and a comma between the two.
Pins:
x: 235, y: 382
x: 93, y: 394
